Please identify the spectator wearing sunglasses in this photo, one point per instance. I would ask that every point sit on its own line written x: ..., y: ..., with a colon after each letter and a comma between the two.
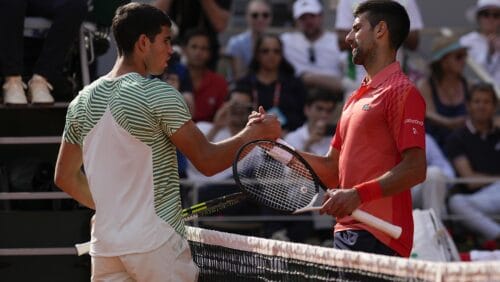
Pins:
x: 484, y: 43
x: 239, y: 47
x: 273, y: 83
x: 445, y: 89
x: 310, y: 50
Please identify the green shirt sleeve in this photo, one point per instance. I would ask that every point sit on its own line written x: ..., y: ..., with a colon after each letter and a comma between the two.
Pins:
x: 170, y: 109
x: 72, y: 132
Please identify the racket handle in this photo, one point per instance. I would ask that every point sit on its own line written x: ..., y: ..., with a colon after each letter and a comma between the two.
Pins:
x: 390, y: 229
x: 83, y: 248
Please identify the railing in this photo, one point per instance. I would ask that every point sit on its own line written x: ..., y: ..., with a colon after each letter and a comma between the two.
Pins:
x: 194, y: 186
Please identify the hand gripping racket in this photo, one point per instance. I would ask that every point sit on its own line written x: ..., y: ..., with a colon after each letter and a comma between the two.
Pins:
x: 276, y: 176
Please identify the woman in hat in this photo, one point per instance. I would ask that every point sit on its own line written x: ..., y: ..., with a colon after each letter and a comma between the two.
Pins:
x: 445, y: 89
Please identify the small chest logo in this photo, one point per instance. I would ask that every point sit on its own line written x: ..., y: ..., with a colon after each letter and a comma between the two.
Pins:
x: 366, y: 107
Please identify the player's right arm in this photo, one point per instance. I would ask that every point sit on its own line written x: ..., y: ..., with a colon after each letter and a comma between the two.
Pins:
x: 69, y: 176
x: 326, y: 167
x: 210, y: 158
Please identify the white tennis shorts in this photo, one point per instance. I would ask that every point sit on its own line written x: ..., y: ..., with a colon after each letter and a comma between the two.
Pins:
x: 170, y: 262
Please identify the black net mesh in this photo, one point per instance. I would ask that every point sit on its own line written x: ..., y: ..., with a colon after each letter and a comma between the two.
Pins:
x: 229, y: 257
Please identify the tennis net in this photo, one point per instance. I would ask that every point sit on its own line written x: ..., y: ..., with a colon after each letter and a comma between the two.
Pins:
x: 230, y: 257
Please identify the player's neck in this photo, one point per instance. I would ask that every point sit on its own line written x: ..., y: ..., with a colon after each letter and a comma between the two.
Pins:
x: 124, y: 65
x: 377, y: 63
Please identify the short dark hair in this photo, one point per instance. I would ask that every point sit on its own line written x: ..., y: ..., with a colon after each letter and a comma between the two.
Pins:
x: 197, y: 32
x: 240, y: 88
x: 484, y: 87
x: 320, y: 94
x: 132, y: 20
x: 390, y: 12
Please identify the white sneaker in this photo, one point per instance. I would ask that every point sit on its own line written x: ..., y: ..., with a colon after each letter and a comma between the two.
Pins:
x: 39, y: 90
x: 13, y: 92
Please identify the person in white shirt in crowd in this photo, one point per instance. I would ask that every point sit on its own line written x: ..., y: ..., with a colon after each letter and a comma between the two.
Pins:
x: 310, y: 50
x: 484, y: 43
x: 240, y: 46
x: 343, y: 24
x: 431, y: 194
x: 313, y: 137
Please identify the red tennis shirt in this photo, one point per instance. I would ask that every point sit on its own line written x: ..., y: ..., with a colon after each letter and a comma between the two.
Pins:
x: 379, y: 121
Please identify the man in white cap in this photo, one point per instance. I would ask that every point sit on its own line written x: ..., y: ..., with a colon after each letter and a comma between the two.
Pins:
x: 310, y: 50
x: 484, y: 43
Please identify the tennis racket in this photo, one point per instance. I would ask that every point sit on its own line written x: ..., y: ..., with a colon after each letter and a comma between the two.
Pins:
x: 201, y: 209
x: 276, y: 176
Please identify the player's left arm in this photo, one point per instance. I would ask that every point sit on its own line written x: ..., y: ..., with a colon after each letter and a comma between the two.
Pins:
x: 408, y: 173
x: 408, y: 130
x: 405, y: 113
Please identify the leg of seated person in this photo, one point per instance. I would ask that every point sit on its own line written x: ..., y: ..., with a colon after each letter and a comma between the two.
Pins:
x: 66, y: 17
x: 476, y: 208
x: 431, y: 193
x: 12, y: 15
x: 434, y: 193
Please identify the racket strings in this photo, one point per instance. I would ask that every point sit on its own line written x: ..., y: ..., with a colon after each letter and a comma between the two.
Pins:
x: 281, y: 186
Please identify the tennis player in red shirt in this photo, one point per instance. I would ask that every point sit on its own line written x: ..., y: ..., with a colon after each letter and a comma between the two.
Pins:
x: 378, y: 151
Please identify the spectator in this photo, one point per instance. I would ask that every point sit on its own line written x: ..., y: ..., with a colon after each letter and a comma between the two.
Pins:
x: 239, y: 48
x: 229, y: 120
x: 313, y: 135
x: 474, y: 151
x: 310, y: 50
x: 431, y: 193
x: 484, y: 44
x: 274, y: 86
x: 210, y: 15
x: 66, y: 17
x: 208, y: 88
x: 446, y: 88
x: 343, y: 24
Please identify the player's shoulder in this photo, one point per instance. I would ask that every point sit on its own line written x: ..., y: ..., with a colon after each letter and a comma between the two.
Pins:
x: 151, y: 88
x: 401, y: 82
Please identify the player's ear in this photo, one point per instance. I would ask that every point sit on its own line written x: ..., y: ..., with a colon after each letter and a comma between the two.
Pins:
x: 142, y: 43
x: 381, y: 29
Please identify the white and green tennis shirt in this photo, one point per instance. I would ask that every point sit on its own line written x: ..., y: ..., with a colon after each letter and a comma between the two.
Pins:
x: 123, y: 126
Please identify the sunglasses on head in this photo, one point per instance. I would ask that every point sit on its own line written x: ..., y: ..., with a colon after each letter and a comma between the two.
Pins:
x: 256, y: 15
x: 488, y: 14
